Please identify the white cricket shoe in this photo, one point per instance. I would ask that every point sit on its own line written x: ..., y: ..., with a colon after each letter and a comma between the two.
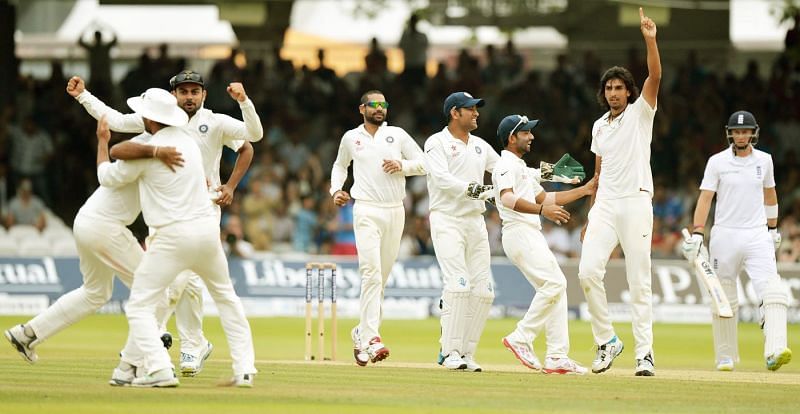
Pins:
x: 20, y: 341
x: 376, y: 350
x: 606, y: 354
x: 454, y: 361
x: 242, y: 381
x: 123, y: 375
x: 725, y: 364
x: 359, y: 353
x: 191, y: 365
x: 563, y: 366
x: 472, y: 365
x: 779, y: 359
x: 645, y: 367
x: 163, y: 378
x: 523, y: 352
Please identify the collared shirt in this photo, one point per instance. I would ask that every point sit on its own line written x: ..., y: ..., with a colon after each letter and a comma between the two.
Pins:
x: 739, y: 183
x: 451, y: 166
x: 367, y: 152
x: 167, y: 197
x: 120, y: 205
x: 210, y: 130
x: 511, y: 172
x: 624, y: 145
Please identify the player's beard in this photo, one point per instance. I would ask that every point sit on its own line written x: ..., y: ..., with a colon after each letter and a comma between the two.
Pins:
x: 372, y: 119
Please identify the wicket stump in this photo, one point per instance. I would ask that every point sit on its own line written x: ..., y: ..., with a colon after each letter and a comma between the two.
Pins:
x: 320, y: 270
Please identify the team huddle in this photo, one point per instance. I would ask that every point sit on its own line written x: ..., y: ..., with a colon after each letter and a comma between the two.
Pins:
x: 170, y: 173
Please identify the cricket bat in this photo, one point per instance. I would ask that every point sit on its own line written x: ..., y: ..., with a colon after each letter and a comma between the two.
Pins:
x: 706, y: 274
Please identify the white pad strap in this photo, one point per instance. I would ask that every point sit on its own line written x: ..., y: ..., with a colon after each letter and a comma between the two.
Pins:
x: 775, y: 303
x: 772, y: 211
x: 724, y: 330
x: 480, y: 303
x: 454, y: 310
x: 549, y: 198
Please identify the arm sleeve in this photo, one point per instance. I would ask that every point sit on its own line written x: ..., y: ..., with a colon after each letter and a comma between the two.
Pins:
x: 412, y: 162
x: 769, y: 175
x: 436, y: 165
x: 503, y: 178
x: 491, y: 157
x: 710, y: 178
x: 119, y: 173
x: 117, y: 121
x: 595, y: 148
x: 249, y: 130
x: 339, y: 170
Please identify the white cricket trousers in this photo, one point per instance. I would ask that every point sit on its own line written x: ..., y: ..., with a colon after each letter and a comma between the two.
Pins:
x: 628, y: 222
x: 734, y: 249
x: 185, y: 300
x: 527, y: 248
x: 378, y: 229
x: 104, y: 248
x: 462, y: 250
x: 193, y: 245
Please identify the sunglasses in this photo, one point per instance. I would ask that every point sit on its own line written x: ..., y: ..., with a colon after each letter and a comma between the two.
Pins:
x: 522, y: 121
x: 377, y: 104
x: 186, y: 76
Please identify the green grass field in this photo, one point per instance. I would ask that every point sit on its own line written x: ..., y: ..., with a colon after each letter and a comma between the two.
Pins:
x: 73, y: 369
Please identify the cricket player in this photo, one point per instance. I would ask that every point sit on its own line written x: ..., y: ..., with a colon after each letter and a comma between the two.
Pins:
x: 521, y: 201
x: 622, y: 208
x: 382, y: 156
x: 744, y: 237
x: 184, y: 235
x: 212, y: 131
x: 105, y: 247
x: 456, y: 162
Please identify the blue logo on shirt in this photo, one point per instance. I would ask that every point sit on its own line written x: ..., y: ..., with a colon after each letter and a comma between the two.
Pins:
x: 203, y: 128
x: 478, y: 150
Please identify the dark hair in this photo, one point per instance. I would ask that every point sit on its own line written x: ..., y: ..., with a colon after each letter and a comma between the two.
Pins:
x: 365, y: 96
x: 617, y: 72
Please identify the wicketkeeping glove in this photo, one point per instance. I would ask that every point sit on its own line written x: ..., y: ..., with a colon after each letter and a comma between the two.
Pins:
x: 776, y: 238
x: 475, y: 190
x: 565, y: 170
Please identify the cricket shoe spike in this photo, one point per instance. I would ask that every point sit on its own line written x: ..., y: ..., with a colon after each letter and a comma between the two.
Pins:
x: 779, y: 359
x: 606, y: 354
x: 20, y: 341
x: 191, y: 365
x: 454, y: 361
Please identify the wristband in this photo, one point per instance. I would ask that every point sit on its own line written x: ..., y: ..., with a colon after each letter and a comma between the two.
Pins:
x: 772, y: 227
x: 771, y: 211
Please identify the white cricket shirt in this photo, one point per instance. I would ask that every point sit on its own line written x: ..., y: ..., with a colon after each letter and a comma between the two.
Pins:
x: 512, y: 172
x: 210, y: 130
x: 120, y: 205
x: 167, y: 197
x: 451, y: 166
x: 624, y: 145
x: 739, y: 183
x: 370, y: 182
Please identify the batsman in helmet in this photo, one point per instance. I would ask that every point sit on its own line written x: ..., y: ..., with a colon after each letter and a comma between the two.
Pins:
x: 744, y: 237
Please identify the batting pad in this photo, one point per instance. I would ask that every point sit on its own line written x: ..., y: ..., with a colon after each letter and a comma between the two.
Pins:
x: 774, y: 306
x: 454, y: 321
x: 480, y: 303
x: 724, y: 330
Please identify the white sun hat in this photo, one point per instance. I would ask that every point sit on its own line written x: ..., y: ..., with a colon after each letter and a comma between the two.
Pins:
x: 159, y: 105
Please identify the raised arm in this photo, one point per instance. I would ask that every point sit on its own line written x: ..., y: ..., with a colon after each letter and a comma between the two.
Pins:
x: 249, y: 130
x: 96, y: 108
x: 653, y: 81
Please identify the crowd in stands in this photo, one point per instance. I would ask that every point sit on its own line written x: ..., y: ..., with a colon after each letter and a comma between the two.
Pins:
x: 283, y: 205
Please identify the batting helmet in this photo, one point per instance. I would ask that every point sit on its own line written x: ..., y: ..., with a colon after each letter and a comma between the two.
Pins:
x: 742, y: 120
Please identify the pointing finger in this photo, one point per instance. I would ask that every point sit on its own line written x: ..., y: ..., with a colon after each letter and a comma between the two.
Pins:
x: 641, y: 13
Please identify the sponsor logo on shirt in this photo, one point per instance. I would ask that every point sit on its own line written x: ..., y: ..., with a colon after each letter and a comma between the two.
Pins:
x: 390, y: 139
x: 478, y: 149
x: 203, y: 128
x: 758, y: 172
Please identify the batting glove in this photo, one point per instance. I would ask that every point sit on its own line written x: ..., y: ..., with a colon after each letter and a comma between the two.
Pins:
x: 776, y: 238
x: 565, y: 170
x: 691, y: 247
x: 476, y: 191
